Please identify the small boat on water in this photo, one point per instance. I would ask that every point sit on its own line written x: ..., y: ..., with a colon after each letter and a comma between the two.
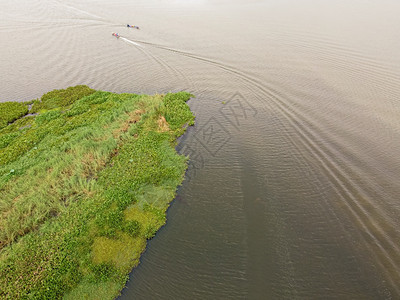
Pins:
x: 132, y: 26
x: 116, y: 34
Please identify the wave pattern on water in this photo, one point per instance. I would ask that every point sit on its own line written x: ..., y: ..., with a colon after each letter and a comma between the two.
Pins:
x: 313, y: 173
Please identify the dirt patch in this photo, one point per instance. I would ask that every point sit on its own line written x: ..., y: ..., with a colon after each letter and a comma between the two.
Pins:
x: 92, y: 165
x: 163, y: 125
x: 133, y: 118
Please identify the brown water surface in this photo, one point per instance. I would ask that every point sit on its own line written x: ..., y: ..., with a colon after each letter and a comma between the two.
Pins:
x: 293, y: 186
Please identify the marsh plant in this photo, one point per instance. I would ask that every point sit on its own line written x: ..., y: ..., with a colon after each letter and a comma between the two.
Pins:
x: 83, y: 185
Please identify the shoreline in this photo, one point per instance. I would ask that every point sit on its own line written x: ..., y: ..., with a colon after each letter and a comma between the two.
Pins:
x: 106, y: 171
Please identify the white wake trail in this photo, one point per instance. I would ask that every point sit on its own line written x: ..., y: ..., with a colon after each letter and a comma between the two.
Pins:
x: 131, y: 42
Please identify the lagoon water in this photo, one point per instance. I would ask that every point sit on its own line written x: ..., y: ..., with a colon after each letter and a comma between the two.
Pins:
x: 293, y: 187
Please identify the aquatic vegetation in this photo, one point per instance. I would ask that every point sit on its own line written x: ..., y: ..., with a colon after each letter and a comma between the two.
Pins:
x: 61, y: 98
x: 11, y: 111
x: 83, y: 185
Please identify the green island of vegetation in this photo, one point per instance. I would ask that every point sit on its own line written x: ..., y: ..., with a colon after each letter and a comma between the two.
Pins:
x: 85, y: 180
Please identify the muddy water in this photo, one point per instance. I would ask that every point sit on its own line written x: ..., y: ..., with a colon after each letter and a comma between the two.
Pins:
x: 293, y: 186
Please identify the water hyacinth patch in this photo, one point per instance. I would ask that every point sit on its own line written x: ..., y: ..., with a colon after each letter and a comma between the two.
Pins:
x: 92, y: 177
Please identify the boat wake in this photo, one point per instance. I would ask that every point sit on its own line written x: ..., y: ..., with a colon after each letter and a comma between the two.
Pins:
x: 131, y: 42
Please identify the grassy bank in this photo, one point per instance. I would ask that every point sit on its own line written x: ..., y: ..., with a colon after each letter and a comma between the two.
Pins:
x: 83, y: 185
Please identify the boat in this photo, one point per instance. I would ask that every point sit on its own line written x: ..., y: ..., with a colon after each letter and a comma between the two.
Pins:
x: 116, y: 34
x: 132, y: 26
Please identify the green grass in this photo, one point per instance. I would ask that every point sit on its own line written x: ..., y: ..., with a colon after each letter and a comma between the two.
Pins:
x: 83, y: 185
